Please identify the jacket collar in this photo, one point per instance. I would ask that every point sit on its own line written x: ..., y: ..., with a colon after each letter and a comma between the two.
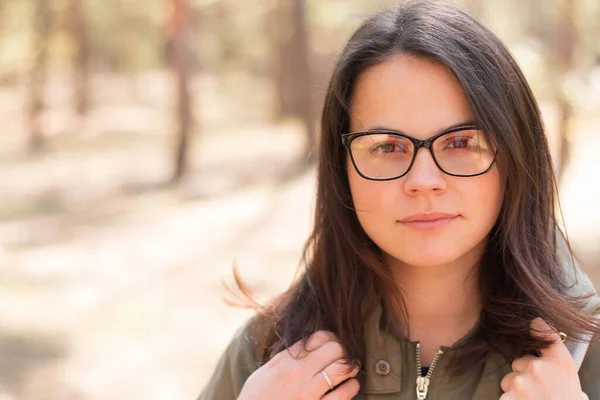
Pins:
x: 384, y: 349
x: 383, y: 345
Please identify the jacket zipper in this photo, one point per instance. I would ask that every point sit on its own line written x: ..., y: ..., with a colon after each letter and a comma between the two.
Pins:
x: 423, y: 381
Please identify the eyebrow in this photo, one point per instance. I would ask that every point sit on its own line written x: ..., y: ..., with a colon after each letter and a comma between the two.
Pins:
x: 448, y: 128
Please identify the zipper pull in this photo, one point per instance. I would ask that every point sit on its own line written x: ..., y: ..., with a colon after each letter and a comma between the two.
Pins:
x: 423, y: 381
x: 422, y: 387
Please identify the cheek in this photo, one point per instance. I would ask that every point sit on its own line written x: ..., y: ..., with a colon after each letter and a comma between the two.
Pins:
x: 368, y: 196
x: 378, y: 204
x: 477, y: 197
x: 485, y: 194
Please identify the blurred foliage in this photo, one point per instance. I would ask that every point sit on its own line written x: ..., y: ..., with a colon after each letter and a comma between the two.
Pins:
x: 125, y: 35
x: 235, y: 37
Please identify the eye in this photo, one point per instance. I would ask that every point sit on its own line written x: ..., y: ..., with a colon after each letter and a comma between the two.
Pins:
x: 462, y: 140
x: 389, y: 147
x: 380, y: 145
x: 388, y: 144
x: 459, y: 142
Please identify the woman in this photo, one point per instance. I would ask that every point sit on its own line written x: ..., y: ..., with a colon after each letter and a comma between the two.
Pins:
x: 435, y: 269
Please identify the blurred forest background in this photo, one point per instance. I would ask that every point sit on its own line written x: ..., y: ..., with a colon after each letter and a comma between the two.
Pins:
x: 146, y: 145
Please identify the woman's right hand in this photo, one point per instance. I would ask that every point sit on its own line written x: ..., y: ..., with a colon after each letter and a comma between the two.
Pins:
x: 295, y: 374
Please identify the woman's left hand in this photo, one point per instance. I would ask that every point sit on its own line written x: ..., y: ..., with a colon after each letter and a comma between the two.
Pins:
x: 551, y: 376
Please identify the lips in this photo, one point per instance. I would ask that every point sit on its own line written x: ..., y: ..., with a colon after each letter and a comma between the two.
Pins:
x: 428, y: 217
x: 428, y: 221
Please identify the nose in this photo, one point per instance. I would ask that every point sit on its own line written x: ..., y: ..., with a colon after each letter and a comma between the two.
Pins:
x: 424, y: 176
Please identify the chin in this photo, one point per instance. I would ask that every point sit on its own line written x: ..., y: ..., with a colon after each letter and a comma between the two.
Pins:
x: 425, y: 262
x: 427, y: 257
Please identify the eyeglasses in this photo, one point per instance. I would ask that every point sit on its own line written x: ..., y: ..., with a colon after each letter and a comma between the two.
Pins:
x: 383, y: 155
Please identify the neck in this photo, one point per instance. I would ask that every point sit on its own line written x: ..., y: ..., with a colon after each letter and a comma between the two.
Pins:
x: 443, y: 302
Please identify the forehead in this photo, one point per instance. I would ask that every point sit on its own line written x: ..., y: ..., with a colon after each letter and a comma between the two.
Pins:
x: 414, y: 95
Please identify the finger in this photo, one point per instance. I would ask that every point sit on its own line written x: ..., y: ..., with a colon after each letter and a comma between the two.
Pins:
x: 521, y: 386
x: 507, y: 381
x: 319, y: 338
x: 327, y: 354
x: 507, y: 396
x: 522, y: 364
x: 541, y: 329
x: 337, y: 372
x: 345, y: 391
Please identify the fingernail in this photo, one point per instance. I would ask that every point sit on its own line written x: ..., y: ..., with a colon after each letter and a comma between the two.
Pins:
x: 350, y: 361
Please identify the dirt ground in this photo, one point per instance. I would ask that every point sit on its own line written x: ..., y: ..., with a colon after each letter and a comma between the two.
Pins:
x: 111, y: 283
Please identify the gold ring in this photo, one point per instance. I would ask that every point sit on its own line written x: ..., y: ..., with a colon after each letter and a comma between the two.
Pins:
x: 563, y: 336
x: 327, y: 379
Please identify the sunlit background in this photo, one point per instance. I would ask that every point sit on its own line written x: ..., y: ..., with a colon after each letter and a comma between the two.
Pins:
x: 146, y: 145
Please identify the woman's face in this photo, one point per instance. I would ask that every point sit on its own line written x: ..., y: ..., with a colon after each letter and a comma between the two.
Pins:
x: 420, y: 97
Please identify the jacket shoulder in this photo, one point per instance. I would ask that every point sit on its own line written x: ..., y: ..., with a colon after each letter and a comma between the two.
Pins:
x: 236, y: 364
x: 589, y: 374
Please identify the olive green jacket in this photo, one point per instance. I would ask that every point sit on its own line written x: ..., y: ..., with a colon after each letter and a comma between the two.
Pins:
x: 391, y: 368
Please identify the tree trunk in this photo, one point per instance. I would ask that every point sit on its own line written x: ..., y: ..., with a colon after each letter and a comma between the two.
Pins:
x: 292, y: 73
x: 42, y: 20
x: 79, y: 37
x: 281, y: 31
x: 180, y: 63
x: 566, y: 42
x: 299, y: 46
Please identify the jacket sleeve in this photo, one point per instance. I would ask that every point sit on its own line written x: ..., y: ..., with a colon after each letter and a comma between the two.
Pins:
x: 589, y: 374
x: 235, y: 366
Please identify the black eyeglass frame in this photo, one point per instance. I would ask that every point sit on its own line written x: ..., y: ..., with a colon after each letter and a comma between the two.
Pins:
x: 347, y: 139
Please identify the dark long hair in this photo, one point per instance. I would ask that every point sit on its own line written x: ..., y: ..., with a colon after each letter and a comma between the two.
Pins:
x: 344, y: 275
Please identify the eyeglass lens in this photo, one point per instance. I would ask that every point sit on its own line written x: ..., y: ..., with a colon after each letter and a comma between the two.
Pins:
x: 387, y: 155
